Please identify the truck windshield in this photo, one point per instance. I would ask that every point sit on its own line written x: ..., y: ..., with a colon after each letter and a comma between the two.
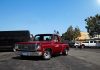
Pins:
x: 42, y: 38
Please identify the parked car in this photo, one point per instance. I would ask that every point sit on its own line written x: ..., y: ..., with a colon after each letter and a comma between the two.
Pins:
x: 77, y: 45
x: 91, y: 43
x: 44, y: 45
x: 71, y: 44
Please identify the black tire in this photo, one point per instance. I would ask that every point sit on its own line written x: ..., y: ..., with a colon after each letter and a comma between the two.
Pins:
x: 22, y: 56
x: 83, y: 46
x: 47, y: 54
x: 65, y: 52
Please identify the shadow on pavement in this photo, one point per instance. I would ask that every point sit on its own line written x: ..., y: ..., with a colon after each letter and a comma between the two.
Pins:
x: 33, y: 58
x: 6, y: 50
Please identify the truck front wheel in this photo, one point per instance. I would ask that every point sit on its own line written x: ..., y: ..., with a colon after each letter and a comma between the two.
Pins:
x: 47, y: 54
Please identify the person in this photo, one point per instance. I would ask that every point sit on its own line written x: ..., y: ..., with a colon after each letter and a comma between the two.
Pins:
x: 47, y: 39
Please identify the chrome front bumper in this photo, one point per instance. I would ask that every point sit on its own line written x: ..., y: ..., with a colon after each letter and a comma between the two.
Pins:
x: 24, y: 53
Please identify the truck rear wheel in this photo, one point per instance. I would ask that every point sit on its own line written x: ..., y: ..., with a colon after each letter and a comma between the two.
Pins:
x: 65, y: 52
x: 47, y: 54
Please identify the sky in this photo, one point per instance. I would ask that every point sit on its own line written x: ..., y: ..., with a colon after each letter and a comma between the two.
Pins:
x: 45, y: 16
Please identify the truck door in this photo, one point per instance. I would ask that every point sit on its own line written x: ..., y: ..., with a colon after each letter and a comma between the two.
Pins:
x: 57, y: 46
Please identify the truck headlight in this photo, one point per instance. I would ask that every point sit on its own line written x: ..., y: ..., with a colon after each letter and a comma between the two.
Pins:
x: 38, y: 47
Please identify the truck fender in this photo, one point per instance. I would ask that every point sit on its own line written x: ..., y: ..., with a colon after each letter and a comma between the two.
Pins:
x: 47, y: 49
x: 65, y: 47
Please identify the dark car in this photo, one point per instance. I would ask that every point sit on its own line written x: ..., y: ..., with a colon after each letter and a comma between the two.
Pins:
x: 71, y: 44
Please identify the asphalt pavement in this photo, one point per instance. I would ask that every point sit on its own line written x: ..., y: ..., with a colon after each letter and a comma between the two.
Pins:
x: 74, y: 61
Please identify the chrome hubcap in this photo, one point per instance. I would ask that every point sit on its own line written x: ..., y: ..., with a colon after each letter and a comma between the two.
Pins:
x: 47, y: 55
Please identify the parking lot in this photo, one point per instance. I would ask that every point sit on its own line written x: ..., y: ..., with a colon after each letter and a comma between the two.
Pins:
x: 84, y: 59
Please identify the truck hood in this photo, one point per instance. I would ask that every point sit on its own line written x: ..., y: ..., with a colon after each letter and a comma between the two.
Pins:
x: 34, y: 42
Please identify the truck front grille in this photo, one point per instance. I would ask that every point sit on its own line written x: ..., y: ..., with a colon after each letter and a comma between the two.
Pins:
x: 26, y: 47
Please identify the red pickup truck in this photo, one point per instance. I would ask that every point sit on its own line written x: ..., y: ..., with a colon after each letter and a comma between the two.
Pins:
x: 44, y: 45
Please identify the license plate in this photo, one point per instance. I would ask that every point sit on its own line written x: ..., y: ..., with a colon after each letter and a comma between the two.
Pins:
x: 25, y: 53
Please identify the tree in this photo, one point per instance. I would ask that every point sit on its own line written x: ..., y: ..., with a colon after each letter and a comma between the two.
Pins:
x: 68, y: 35
x: 93, y: 25
x: 56, y: 32
x: 76, y: 33
x: 71, y: 33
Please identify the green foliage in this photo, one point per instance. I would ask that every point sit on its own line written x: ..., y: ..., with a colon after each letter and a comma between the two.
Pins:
x: 56, y: 32
x: 93, y: 25
x: 71, y: 33
x: 76, y: 33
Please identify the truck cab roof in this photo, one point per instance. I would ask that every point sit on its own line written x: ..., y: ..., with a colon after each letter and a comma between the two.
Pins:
x: 46, y: 34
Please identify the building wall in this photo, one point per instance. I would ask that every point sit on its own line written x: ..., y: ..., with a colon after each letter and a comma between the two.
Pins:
x: 96, y: 37
x: 84, y: 36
